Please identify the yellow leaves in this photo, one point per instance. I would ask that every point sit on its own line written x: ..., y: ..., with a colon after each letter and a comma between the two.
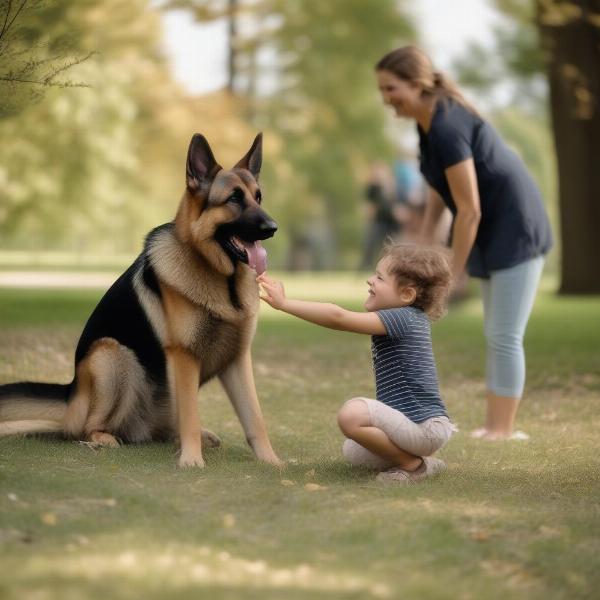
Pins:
x: 578, y: 83
x: 557, y: 14
x: 309, y: 487
x: 49, y: 519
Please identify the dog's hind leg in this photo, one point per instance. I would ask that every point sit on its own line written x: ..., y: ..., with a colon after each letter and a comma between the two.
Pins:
x: 79, y: 404
x: 238, y: 382
x: 108, y: 401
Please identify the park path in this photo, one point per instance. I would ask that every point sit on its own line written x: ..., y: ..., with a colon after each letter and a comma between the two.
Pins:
x: 56, y: 279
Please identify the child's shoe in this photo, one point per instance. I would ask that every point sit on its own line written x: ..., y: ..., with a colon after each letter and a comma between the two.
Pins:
x: 429, y: 467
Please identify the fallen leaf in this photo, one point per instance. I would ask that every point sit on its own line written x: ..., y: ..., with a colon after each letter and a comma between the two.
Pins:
x: 287, y: 482
x: 310, y: 474
x: 479, y: 535
x: 314, y: 487
x: 13, y: 497
x: 228, y: 521
x: 49, y: 519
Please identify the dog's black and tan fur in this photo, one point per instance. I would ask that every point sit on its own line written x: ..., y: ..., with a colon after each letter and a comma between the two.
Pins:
x: 184, y: 312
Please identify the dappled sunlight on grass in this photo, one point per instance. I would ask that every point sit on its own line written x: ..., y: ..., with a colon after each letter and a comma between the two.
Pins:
x: 173, y: 567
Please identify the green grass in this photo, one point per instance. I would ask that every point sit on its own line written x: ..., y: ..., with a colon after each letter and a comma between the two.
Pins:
x: 507, y: 520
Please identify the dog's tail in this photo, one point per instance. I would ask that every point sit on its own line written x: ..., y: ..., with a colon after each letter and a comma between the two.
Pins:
x: 29, y: 407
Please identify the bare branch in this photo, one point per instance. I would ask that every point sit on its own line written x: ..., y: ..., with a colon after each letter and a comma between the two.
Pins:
x: 6, y: 27
x: 6, y: 18
x: 67, y: 65
x: 45, y: 82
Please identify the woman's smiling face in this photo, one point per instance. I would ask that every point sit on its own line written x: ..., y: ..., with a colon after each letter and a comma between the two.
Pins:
x: 403, y: 96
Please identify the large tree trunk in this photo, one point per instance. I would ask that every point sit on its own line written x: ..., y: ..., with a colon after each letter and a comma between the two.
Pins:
x: 570, y: 34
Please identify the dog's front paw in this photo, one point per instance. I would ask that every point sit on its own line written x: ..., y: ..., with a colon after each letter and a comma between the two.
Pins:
x: 191, y: 459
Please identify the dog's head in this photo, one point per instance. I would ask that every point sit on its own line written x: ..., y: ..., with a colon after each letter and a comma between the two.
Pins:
x: 221, y: 213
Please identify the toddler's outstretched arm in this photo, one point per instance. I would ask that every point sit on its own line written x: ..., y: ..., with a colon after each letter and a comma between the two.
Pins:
x: 320, y: 313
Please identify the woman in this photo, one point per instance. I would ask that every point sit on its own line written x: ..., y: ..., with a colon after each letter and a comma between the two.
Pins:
x: 500, y: 229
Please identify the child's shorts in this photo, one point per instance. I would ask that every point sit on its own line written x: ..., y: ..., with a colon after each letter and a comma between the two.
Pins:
x: 420, y: 439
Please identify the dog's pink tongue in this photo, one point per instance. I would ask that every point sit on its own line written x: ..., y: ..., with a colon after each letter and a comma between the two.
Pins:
x: 257, y: 256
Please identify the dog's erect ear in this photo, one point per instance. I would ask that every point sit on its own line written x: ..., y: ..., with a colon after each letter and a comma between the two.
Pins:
x: 253, y: 159
x: 201, y: 164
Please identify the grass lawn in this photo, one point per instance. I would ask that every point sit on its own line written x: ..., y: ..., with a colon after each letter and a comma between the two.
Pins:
x: 507, y: 520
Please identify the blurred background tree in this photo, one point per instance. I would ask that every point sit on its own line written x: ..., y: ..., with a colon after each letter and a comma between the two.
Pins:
x: 72, y: 160
x: 547, y: 57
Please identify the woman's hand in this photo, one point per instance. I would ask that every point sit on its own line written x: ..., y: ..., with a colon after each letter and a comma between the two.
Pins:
x: 272, y: 291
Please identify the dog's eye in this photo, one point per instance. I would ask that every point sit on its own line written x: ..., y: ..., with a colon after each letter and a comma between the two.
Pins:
x: 237, y: 197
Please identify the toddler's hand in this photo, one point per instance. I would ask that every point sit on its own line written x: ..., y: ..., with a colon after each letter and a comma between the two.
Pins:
x: 272, y: 291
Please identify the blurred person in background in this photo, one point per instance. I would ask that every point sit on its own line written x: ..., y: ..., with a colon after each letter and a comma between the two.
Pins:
x: 410, y: 191
x: 380, y: 212
x: 500, y: 229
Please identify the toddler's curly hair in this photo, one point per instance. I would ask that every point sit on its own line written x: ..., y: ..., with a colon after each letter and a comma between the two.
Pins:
x: 427, y: 269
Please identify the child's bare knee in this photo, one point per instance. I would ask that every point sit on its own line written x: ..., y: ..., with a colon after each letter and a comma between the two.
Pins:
x: 353, y: 414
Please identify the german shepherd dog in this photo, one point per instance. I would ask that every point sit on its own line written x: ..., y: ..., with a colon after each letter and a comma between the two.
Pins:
x: 183, y: 312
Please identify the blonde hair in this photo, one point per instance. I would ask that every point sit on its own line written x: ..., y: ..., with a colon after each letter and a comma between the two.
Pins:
x: 412, y: 64
x: 425, y: 268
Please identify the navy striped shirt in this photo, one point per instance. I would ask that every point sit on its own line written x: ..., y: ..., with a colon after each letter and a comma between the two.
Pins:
x: 405, y: 373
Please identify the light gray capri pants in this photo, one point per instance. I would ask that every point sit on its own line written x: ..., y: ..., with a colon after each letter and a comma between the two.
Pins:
x: 508, y: 297
x: 420, y: 439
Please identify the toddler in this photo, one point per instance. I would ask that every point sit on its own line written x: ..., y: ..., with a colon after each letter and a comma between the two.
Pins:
x: 398, y: 432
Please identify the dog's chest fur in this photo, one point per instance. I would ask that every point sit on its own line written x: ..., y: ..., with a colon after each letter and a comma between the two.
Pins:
x: 216, y: 342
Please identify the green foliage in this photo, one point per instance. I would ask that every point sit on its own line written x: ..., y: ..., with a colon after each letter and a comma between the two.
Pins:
x: 514, y: 60
x: 326, y: 110
x: 72, y: 170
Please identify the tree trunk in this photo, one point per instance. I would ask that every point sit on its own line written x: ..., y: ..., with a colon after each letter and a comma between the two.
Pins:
x: 232, y: 50
x: 570, y: 33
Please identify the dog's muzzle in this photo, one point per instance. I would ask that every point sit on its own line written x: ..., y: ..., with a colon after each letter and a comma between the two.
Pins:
x: 241, y: 239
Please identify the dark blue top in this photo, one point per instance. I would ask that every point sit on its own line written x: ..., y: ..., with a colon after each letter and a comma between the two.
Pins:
x: 514, y: 226
x: 405, y: 373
